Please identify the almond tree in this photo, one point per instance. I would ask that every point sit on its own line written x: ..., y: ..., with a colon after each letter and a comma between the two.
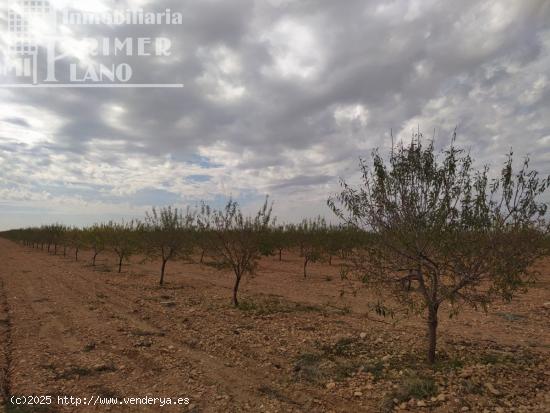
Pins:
x: 444, y: 231
x: 168, y: 235
x: 279, y: 239
x: 65, y: 240
x: 236, y: 239
x: 96, y: 239
x: 50, y: 236
x: 311, y: 234
x: 338, y: 241
x: 124, y: 240
x: 76, y: 240
x: 202, y: 237
x: 58, y: 235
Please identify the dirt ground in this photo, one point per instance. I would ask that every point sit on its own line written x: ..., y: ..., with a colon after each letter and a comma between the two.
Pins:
x: 295, y: 345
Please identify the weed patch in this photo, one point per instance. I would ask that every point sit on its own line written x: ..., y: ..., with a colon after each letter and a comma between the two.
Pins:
x: 274, y: 306
x: 411, y: 386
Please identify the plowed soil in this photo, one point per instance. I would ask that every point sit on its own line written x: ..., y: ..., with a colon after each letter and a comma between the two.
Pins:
x: 295, y: 345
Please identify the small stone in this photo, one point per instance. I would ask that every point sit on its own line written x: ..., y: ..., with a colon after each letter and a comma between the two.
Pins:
x: 143, y: 343
x: 363, y: 335
x: 357, y: 394
x: 89, y: 346
x: 331, y: 385
x: 547, y: 305
x: 441, y: 397
x: 465, y: 409
x: 492, y: 389
x: 386, y: 357
x: 104, y: 367
x: 421, y: 403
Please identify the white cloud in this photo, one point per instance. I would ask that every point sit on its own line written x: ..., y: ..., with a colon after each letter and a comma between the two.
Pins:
x: 351, y: 113
x: 295, y: 50
x: 221, y: 78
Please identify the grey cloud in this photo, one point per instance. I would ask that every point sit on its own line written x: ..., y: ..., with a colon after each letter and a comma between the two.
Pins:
x: 471, y: 64
x: 302, y: 181
x: 18, y: 121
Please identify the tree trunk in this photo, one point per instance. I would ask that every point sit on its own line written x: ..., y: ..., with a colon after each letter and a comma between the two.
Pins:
x: 280, y: 254
x: 76, y: 254
x: 49, y: 245
x: 305, y: 267
x: 162, y: 271
x: 64, y: 250
x: 202, y: 256
x: 432, y: 333
x: 55, y: 249
x: 330, y: 260
x: 120, y: 263
x: 93, y: 259
x: 236, y: 290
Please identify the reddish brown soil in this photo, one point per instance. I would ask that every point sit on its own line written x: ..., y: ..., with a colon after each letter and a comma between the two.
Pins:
x: 70, y: 329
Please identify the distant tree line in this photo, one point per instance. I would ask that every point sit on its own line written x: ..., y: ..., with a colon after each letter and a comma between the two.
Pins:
x: 224, y: 238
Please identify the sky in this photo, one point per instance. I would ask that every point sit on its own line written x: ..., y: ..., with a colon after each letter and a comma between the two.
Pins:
x: 280, y: 97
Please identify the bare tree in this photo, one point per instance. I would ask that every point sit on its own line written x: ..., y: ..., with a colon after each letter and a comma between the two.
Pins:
x: 443, y: 231
x: 236, y: 239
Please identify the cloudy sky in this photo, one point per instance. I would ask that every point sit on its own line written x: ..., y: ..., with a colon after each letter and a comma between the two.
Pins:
x: 281, y: 97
